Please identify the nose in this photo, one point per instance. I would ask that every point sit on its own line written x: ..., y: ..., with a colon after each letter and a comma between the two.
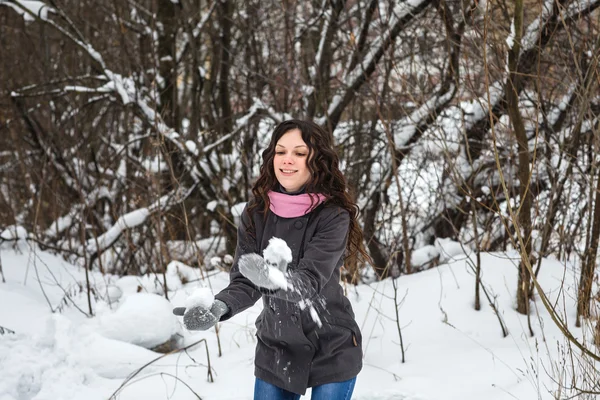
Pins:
x: 288, y: 160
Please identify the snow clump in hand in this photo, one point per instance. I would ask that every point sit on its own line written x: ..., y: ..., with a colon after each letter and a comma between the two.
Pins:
x: 277, y: 254
x: 202, y: 297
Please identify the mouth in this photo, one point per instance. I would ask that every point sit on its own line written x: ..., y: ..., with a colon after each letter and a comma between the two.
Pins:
x: 287, y: 172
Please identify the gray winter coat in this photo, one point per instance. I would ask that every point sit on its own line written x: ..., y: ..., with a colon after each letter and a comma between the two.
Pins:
x: 309, y: 338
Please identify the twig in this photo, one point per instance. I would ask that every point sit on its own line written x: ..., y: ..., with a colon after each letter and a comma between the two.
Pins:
x: 398, y: 317
x: 2, y: 272
x: 4, y: 331
x: 135, y: 373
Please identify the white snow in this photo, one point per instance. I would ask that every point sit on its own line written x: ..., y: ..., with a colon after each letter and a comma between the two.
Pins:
x: 510, y: 39
x: 14, y: 232
x: 277, y: 251
x: 192, y: 147
x: 202, y: 297
x: 423, y: 255
x: 533, y: 31
x: 212, y: 205
x: 128, y: 220
x: 237, y: 209
x: 449, y: 250
x: 179, y: 273
x: 143, y: 319
x: 214, y: 262
x: 407, y: 127
x: 452, y: 351
x: 278, y: 255
x: 25, y: 7
x: 278, y: 278
x: 315, y: 316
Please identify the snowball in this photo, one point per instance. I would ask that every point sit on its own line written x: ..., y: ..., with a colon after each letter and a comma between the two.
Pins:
x: 277, y: 252
x: 202, y: 297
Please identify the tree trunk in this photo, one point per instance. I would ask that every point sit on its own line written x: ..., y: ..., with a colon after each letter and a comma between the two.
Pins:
x: 524, y: 215
x: 587, y: 272
x: 225, y: 13
x: 376, y: 249
x: 169, y: 109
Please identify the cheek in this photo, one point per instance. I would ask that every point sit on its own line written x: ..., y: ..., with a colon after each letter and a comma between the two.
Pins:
x: 306, y: 173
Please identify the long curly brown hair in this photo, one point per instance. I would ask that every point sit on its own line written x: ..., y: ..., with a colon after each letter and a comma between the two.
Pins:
x: 326, y: 178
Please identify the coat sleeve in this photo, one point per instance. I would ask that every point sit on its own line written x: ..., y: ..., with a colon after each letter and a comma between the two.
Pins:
x: 240, y: 294
x: 321, y: 256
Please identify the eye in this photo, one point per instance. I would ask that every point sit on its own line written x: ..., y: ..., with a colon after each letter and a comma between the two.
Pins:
x: 300, y: 154
x: 280, y: 153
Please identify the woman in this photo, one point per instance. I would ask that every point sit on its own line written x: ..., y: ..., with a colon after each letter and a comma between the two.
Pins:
x: 307, y: 335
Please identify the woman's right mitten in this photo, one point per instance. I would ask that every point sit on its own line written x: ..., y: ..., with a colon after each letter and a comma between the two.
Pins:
x: 201, y: 318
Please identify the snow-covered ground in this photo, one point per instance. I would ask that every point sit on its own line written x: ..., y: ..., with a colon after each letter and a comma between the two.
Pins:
x: 452, y: 351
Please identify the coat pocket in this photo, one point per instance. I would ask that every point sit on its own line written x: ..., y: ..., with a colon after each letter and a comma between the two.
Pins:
x: 349, y: 326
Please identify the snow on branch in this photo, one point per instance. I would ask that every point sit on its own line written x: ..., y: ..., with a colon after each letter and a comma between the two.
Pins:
x: 556, y: 112
x: 136, y: 218
x: 129, y: 220
x: 126, y: 90
x: 403, y: 13
x: 377, y: 48
x: 66, y: 221
x: 479, y: 109
x: 184, y: 46
x: 550, y: 11
x: 203, y: 21
x: 577, y: 8
x: 532, y: 34
x: 407, y: 127
x: 258, y: 108
x: 28, y: 9
x: 62, y: 91
x: 325, y: 33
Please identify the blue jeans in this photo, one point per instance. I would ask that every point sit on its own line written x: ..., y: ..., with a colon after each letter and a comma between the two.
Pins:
x: 328, y: 391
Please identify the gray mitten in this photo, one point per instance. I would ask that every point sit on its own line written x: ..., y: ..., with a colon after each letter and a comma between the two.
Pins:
x: 254, y: 267
x: 259, y: 272
x: 200, y: 319
x: 268, y: 272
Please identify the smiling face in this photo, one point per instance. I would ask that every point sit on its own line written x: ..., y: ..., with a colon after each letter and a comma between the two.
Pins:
x: 290, y: 161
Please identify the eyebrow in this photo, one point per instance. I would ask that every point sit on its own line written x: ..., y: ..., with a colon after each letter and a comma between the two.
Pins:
x: 302, y: 145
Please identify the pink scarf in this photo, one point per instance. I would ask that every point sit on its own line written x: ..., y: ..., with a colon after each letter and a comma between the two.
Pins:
x: 292, y: 206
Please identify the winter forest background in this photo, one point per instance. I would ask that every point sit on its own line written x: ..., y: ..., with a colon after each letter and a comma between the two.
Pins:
x: 131, y: 132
